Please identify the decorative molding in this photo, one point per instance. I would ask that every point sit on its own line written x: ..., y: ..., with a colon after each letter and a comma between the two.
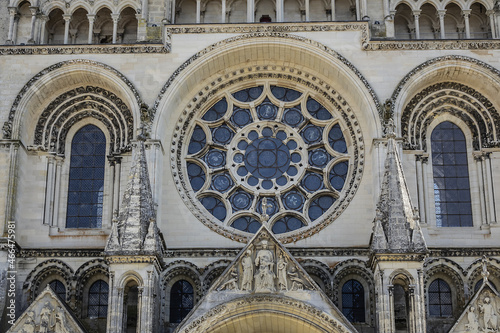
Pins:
x: 6, y: 50
x: 7, y: 127
x: 436, y: 44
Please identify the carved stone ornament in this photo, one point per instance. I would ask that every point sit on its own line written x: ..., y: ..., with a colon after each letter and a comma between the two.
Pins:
x: 47, y: 314
x: 482, y: 314
x: 263, y: 267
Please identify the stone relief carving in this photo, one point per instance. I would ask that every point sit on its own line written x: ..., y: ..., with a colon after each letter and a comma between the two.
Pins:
x: 264, y: 264
x: 473, y: 325
x: 247, y: 264
x: 488, y: 314
x: 232, y: 283
x: 282, y: 274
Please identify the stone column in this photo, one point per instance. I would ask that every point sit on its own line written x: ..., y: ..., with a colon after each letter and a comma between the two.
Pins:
x: 441, y: 13
x: 358, y: 10
x: 145, y: 9
x: 116, y: 186
x: 67, y: 19
x: 57, y: 192
x: 49, y: 190
x: 364, y: 10
x: 333, y: 14
x: 489, y: 189
x: 307, y: 10
x: 250, y: 11
x: 112, y: 163
x: 413, y: 313
x: 43, y: 28
x: 392, y: 323
x: 421, y: 321
x: 34, y: 11
x: 141, y: 326
x: 198, y: 11
x: 416, y: 16
x: 279, y: 11
x: 115, y: 18
x: 420, y: 188
x: 491, y: 16
x: 466, y: 15
x: 91, y: 18
x: 223, y: 11
x: 12, y: 19
x: 482, y: 199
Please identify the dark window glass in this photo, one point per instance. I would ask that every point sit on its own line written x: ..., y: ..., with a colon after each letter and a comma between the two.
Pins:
x: 181, y: 300
x: 480, y: 283
x: 246, y: 223
x: 286, y: 224
x: 451, y: 176
x: 440, y: 299
x: 98, y: 300
x: 59, y: 288
x: 86, y: 178
x: 353, y: 301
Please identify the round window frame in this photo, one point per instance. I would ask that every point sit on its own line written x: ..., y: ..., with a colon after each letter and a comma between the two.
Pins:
x: 319, y: 90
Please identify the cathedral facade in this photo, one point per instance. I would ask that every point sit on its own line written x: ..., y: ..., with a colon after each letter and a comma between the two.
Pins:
x: 250, y: 166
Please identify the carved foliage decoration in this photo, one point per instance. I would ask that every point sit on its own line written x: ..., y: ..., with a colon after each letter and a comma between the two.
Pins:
x: 80, y: 103
x: 465, y: 103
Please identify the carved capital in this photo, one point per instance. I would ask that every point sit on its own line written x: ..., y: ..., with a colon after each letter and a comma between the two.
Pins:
x: 67, y: 17
x: 466, y: 13
x: 13, y: 11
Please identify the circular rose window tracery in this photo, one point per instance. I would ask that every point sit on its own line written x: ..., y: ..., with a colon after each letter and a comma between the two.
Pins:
x: 268, y: 154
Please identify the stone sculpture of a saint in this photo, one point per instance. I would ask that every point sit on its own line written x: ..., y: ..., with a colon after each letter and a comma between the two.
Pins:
x: 247, y: 264
x: 264, y: 263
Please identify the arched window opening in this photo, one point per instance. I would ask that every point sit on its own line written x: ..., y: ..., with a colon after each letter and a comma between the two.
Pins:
x: 292, y: 11
x: 181, y: 300
x: 401, y: 307
x: 345, y: 10
x: 79, y: 28
x: 186, y: 12
x: 128, y: 26
x: 317, y: 11
x: 86, y: 178
x: 265, y: 11
x: 237, y: 12
x: 454, y: 26
x: 428, y: 22
x: 479, y: 22
x: 404, y: 25
x: 58, y: 288
x: 440, y: 304
x: 353, y: 301
x: 131, y: 302
x: 451, y: 176
x: 55, y: 28
x: 98, y: 300
x: 103, y: 26
x: 23, y: 24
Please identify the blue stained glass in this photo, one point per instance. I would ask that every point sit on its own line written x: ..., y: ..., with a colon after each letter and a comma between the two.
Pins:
x: 267, y: 110
x: 286, y: 224
x: 181, y: 300
x: 293, y: 200
x: 285, y: 94
x: 215, y: 158
x: 222, y: 182
x: 281, y: 135
x: 336, y: 139
x: 281, y: 181
x: 241, y: 117
x: 293, y: 116
x: 98, y: 299
x: 246, y: 223
x: 319, y: 206
x: 338, y: 174
x: 312, y: 134
x: 291, y: 145
x: 296, y: 158
x: 317, y: 110
x: 241, y: 200
x: 267, y: 184
x: 353, y: 301
x: 215, y: 207
x: 319, y: 157
x: 252, y: 181
x: 198, y: 140
x: 86, y: 178
x: 222, y: 134
x: 312, y: 182
x: 272, y: 206
x: 249, y: 94
x: 196, y: 176
x: 238, y: 158
x: 267, y: 158
x: 217, y: 111
x: 242, y: 145
x: 253, y: 135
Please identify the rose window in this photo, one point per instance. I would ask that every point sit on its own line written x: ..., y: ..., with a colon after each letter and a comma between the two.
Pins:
x: 267, y: 154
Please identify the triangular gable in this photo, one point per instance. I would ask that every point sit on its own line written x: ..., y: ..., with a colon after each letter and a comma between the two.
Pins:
x: 47, y: 313
x: 264, y: 268
x: 482, y: 313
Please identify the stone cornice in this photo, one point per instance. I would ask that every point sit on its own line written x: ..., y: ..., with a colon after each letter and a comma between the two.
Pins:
x: 81, y: 49
x: 432, y: 44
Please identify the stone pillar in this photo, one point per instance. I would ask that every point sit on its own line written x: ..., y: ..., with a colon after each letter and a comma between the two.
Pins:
x: 90, y: 38
x: 67, y: 19
x: 223, y: 11
x: 466, y: 15
x: 421, y: 321
x: 413, y: 313
x: 482, y: 190
x: 34, y: 11
x: 307, y: 10
x: 43, y: 28
x: 441, y: 13
x: 280, y: 15
x: 489, y: 188
x: 141, y: 325
x: 491, y: 16
x: 419, y: 165
x: 358, y: 10
x: 364, y: 10
x: 416, y: 16
x: 12, y: 20
x: 145, y: 9
x: 57, y: 192
x: 333, y: 14
x: 115, y: 18
x: 116, y: 186
x: 392, y: 323
x: 198, y: 11
x: 250, y: 11
x: 49, y: 190
x: 111, y: 161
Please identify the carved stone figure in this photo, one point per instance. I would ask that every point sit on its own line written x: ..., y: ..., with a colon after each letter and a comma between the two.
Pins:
x: 247, y: 264
x: 232, y: 283
x: 45, y: 316
x: 29, y: 324
x: 297, y: 283
x: 60, y: 326
x: 473, y: 325
x: 282, y: 281
x: 490, y: 318
x: 264, y: 261
x: 484, y: 273
x: 265, y: 206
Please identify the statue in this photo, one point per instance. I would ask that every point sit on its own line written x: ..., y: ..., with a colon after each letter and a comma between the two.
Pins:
x: 29, y: 324
x: 61, y: 325
x: 282, y: 281
x: 265, y: 206
x: 473, y: 325
x: 264, y: 262
x: 490, y: 318
x: 484, y: 271
x: 45, y: 316
x: 297, y: 283
x: 232, y: 283
x: 247, y: 264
